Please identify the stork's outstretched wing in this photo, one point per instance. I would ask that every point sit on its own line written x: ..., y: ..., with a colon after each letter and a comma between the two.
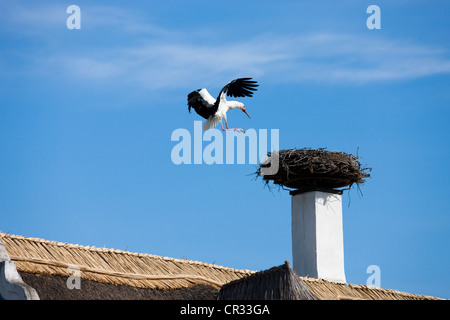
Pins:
x: 242, y: 87
x: 202, y: 102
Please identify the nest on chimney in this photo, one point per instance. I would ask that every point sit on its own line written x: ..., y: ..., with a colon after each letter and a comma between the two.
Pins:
x: 314, y: 169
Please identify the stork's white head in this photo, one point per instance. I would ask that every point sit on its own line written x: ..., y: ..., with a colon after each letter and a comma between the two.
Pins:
x: 237, y: 104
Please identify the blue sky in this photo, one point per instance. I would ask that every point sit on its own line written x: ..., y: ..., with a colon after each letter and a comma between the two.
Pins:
x: 86, y: 118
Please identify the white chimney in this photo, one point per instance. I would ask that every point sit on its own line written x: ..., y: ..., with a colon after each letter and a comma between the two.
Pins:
x: 317, y: 235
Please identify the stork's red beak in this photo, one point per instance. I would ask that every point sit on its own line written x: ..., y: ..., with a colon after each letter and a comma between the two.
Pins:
x: 245, y: 111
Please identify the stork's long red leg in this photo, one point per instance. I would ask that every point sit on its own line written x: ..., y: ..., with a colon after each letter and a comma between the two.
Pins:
x: 234, y: 129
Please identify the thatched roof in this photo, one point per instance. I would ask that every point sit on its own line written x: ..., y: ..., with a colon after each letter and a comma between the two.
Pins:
x: 139, y: 270
x: 117, y: 274
x: 277, y: 283
x: 326, y: 290
x: 282, y: 283
x: 309, y: 169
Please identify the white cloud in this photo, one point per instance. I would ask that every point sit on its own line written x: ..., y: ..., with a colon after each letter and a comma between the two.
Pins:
x: 160, y: 58
x: 322, y: 58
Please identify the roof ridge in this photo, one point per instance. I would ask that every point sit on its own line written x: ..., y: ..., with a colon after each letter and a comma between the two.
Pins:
x: 124, y: 252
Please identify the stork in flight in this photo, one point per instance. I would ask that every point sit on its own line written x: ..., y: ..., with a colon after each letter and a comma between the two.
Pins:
x: 215, y: 110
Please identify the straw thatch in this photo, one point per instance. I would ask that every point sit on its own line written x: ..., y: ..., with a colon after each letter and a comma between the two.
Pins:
x: 312, y: 169
x: 116, y: 274
x: 54, y: 287
x: 326, y: 290
x: 117, y: 267
x: 277, y: 283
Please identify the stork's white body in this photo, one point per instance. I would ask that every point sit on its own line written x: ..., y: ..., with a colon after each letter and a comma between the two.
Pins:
x: 223, y: 108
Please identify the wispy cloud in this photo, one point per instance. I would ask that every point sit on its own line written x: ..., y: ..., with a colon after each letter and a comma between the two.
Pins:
x: 322, y: 58
x: 160, y: 58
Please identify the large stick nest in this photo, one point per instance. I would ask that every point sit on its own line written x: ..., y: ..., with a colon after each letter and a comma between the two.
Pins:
x: 308, y: 169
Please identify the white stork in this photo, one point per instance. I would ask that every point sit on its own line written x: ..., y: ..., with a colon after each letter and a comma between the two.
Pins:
x: 215, y: 110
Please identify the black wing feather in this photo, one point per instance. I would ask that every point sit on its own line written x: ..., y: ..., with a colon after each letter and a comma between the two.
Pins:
x: 242, y: 87
x: 200, y: 105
